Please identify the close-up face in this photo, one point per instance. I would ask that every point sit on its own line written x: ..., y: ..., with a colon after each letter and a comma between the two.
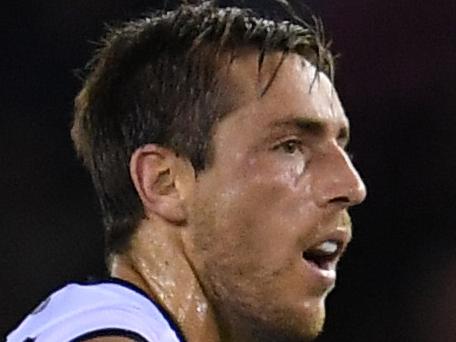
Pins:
x: 268, y: 218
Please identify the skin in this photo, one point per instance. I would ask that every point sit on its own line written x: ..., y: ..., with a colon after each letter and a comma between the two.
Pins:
x: 222, y: 251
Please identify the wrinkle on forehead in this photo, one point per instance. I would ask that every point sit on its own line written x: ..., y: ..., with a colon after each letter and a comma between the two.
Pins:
x: 247, y: 82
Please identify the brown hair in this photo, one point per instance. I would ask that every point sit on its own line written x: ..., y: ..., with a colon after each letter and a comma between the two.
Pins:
x: 156, y: 80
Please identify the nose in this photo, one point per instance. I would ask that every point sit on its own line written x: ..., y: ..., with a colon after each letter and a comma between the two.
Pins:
x: 337, y: 182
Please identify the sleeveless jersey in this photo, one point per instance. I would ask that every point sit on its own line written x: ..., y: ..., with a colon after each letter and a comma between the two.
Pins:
x: 81, y: 311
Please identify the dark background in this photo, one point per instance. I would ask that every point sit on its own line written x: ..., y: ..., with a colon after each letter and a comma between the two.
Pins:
x: 396, y: 77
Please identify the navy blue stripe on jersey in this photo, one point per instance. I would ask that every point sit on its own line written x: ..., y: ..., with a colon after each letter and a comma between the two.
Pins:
x: 111, y: 332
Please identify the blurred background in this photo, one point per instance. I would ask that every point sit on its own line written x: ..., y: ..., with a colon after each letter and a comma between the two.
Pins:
x: 397, y: 78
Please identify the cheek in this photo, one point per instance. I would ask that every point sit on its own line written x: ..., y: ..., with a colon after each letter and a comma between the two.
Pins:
x: 279, y: 190
x: 262, y: 216
x: 277, y: 169
x: 254, y: 214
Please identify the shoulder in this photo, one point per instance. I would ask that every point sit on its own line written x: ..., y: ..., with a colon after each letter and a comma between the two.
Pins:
x: 101, y: 308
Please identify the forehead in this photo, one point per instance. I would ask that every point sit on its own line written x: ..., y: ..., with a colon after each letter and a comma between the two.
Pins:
x: 297, y: 91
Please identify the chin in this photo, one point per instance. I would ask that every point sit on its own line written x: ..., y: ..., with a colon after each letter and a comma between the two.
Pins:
x: 310, y: 324
x: 306, y: 321
x: 299, y: 323
x: 304, y: 333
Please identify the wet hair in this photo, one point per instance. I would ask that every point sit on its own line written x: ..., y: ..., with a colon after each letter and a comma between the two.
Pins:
x: 158, y: 80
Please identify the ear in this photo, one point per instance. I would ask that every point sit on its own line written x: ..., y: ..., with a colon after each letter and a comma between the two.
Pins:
x: 156, y: 173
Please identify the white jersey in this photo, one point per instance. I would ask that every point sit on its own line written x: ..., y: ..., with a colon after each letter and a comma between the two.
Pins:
x: 78, y: 312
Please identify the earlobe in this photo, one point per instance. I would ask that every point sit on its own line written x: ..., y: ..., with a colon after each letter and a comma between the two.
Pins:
x: 153, y: 170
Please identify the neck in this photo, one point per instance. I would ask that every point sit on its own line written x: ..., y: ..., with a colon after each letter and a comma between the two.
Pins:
x: 155, y: 262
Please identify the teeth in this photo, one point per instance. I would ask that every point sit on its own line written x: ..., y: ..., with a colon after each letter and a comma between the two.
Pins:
x: 326, y: 248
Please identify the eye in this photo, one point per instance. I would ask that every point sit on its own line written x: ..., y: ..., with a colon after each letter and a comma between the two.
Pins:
x: 289, y: 146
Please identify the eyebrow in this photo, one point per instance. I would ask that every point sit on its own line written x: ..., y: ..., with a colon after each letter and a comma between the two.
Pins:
x: 305, y: 125
x: 310, y: 126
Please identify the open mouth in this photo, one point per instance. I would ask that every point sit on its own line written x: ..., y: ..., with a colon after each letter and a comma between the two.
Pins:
x: 324, y: 255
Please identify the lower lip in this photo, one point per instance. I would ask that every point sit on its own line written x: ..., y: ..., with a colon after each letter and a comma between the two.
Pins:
x: 326, y: 276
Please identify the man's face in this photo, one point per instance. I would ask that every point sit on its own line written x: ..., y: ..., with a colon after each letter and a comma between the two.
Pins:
x: 268, y: 219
